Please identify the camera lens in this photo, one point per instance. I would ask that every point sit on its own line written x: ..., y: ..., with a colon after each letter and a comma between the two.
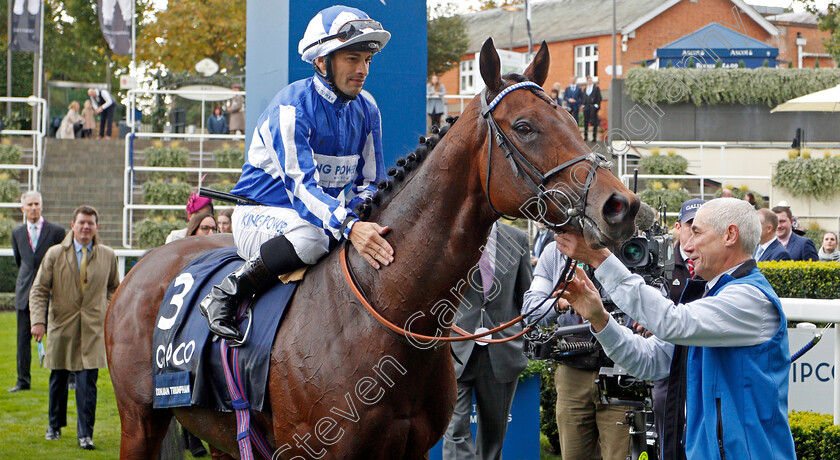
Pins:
x: 632, y: 253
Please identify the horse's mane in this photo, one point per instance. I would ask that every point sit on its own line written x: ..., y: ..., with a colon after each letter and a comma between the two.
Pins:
x: 405, y: 169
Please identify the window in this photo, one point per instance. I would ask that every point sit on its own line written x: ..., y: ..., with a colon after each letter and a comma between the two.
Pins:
x: 586, y: 61
x: 468, y: 77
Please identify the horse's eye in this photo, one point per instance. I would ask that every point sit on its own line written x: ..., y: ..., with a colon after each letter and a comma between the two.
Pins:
x: 523, y: 128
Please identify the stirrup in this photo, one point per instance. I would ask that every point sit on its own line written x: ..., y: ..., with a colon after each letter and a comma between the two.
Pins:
x: 249, y: 313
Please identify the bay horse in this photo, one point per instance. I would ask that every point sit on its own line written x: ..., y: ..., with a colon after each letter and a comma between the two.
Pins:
x: 340, y: 384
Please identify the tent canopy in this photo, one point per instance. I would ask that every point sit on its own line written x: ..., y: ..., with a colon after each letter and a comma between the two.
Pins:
x: 709, y: 43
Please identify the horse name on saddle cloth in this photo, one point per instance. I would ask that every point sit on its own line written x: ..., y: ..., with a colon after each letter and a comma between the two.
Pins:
x: 187, y: 363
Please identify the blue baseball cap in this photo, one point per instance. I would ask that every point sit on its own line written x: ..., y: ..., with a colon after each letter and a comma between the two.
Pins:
x: 689, y: 209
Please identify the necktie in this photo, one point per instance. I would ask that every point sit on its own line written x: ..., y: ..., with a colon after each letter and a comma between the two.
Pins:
x: 690, y: 264
x: 33, y: 236
x: 758, y: 252
x: 83, y: 269
x: 486, y: 272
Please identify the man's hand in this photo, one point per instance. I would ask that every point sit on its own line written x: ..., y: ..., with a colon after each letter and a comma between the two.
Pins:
x: 38, y: 331
x: 98, y: 110
x: 574, y: 246
x: 586, y: 300
x: 572, y: 100
x: 366, y: 238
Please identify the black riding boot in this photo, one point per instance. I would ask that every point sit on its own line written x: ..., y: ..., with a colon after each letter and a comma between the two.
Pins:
x: 276, y: 257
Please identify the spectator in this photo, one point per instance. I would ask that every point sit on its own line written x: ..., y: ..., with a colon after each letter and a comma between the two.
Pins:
x: 591, y: 101
x: 737, y: 361
x: 750, y: 198
x: 89, y: 120
x: 71, y: 124
x: 555, y: 96
x: 572, y: 95
x: 77, y: 279
x: 489, y: 372
x: 435, y: 104
x: 769, y: 247
x: 217, y: 123
x: 828, y: 249
x: 541, y: 241
x: 584, y: 424
x: 726, y: 193
x: 201, y: 224
x: 799, y: 247
x: 30, y: 242
x: 236, y: 109
x: 224, y: 220
x: 196, y: 204
x: 105, y: 106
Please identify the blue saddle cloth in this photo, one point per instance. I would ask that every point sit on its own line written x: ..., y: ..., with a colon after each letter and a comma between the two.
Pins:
x: 187, y: 362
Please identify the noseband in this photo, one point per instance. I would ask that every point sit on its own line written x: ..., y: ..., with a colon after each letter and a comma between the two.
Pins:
x: 520, y: 164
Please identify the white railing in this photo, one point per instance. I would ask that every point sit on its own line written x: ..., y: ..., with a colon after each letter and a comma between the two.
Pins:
x: 461, y: 99
x: 819, y: 311
x: 131, y: 170
x: 37, y: 135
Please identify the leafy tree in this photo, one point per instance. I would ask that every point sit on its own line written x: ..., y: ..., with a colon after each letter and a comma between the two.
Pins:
x: 190, y: 30
x: 492, y: 4
x: 828, y: 20
x: 446, y: 40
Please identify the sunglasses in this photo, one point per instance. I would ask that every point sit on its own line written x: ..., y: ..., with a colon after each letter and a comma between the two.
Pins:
x: 350, y: 29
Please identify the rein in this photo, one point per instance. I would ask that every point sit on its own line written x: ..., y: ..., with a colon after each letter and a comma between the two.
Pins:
x: 520, y: 164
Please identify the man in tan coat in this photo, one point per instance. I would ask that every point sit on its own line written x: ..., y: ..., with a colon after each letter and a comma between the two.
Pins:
x: 77, y: 278
x: 236, y: 109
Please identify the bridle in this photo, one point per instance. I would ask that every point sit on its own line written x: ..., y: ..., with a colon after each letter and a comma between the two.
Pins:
x: 519, y: 164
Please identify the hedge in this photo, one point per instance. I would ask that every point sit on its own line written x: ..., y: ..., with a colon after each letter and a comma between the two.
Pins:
x: 807, y: 280
x: 812, y: 177
x: 152, y: 233
x: 764, y: 86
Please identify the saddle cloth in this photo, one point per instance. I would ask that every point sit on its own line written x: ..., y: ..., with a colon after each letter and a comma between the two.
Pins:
x: 187, y: 362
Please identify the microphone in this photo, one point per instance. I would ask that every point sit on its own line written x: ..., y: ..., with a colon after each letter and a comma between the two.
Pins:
x: 645, y: 218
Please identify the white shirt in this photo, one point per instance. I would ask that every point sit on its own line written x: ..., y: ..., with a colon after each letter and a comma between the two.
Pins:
x: 739, y: 315
x: 763, y: 247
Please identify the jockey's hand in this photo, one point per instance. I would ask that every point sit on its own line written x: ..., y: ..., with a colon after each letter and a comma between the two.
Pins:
x: 574, y: 245
x: 586, y: 300
x: 38, y: 331
x: 367, y: 239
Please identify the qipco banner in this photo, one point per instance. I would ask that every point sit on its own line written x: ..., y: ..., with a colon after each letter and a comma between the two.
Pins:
x: 26, y: 26
x: 115, y: 21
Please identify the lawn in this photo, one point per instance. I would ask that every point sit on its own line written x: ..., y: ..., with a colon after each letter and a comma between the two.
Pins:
x: 23, y: 415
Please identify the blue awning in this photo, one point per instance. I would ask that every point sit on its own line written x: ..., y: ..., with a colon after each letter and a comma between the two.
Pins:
x: 715, y: 42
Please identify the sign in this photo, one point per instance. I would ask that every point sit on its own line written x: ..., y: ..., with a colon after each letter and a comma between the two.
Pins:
x: 128, y: 82
x: 812, y: 375
x: 522, y: 439
x: 609, y: 70
x: 115, y: 20
x: 26, y: 26
x: 206, y: 93
x: 206, y: 67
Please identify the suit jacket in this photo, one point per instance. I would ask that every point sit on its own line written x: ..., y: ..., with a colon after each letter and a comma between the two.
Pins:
x: 680, y: 276
x: 513, y: 271
x: 76, y: 326
x: 577, y: 95
x: 801, y: 248
x: 775, y: 252
x: 541, y: 241
x: 28, y: 261
x: 591, y: 100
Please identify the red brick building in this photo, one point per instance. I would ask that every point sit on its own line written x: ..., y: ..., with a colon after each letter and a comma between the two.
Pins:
x: 579, y: 36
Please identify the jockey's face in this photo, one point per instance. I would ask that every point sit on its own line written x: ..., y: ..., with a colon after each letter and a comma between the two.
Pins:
x: 350, y: 69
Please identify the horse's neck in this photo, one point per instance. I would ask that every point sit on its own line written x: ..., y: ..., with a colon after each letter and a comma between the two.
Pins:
x: 439, y: 222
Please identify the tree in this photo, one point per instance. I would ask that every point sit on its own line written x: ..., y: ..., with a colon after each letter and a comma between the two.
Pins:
x: 190, y: 30
x: 493, y: 4
x: 828, y: 20
x: 446, y: 39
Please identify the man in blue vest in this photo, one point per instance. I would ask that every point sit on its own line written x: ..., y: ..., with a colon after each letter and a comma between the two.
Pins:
x: 316, y: 154
x: 737, y: 361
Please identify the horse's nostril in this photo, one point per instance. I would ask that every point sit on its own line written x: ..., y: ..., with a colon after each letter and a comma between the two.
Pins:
x: 615, y: 208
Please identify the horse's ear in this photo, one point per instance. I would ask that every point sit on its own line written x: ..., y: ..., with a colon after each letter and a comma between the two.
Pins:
x: 537, y: 72
x: 490, y: 67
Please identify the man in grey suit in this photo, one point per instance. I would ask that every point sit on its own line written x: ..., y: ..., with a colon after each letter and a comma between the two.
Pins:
x: 491, y: 297
x: 30, y: 242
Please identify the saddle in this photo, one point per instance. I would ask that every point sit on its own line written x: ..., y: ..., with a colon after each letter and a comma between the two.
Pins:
x: 187, y: 365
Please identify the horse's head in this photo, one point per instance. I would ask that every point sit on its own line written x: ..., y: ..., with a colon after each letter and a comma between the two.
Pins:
x: 535, y: 163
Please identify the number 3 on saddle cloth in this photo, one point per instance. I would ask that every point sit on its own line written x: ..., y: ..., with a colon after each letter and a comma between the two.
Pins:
x: 187, y: 363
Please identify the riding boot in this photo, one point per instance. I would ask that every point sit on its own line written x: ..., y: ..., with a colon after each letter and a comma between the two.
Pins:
x: 221, y: 304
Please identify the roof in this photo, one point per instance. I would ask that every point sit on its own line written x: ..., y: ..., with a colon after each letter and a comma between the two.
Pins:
x: 553, y: 21
x: 766, y: 10
x: 794, y: 18
x: 716, y: 36
x: 562, y: 20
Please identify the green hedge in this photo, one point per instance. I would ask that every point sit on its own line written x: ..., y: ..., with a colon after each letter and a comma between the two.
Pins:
x: 808, y: 280
x: 673, y: 199
x: 812, y: 177
x: 8, y: 274
x: 169, y: 157
x: 670, y: 164
x: 229, y: 157
x: 764, y: 86
x: 9, y: 153
x: 153, y: 233
x: 814, y: 436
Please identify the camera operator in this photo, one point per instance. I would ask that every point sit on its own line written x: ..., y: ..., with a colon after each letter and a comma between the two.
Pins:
x: 583, y: 422
x: 738, y: 361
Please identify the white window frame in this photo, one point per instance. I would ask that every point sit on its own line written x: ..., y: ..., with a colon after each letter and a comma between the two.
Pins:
x: 586, y: 60
x: 467, y: 77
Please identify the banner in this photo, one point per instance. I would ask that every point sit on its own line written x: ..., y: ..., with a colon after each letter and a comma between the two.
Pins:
x: 115, y: 21
x: 26, y: 26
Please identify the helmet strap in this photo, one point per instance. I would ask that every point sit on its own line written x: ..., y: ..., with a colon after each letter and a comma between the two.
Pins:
x: 330, y: 78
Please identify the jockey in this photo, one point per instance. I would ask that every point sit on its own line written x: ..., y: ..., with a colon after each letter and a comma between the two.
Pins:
x: 316, y: 154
